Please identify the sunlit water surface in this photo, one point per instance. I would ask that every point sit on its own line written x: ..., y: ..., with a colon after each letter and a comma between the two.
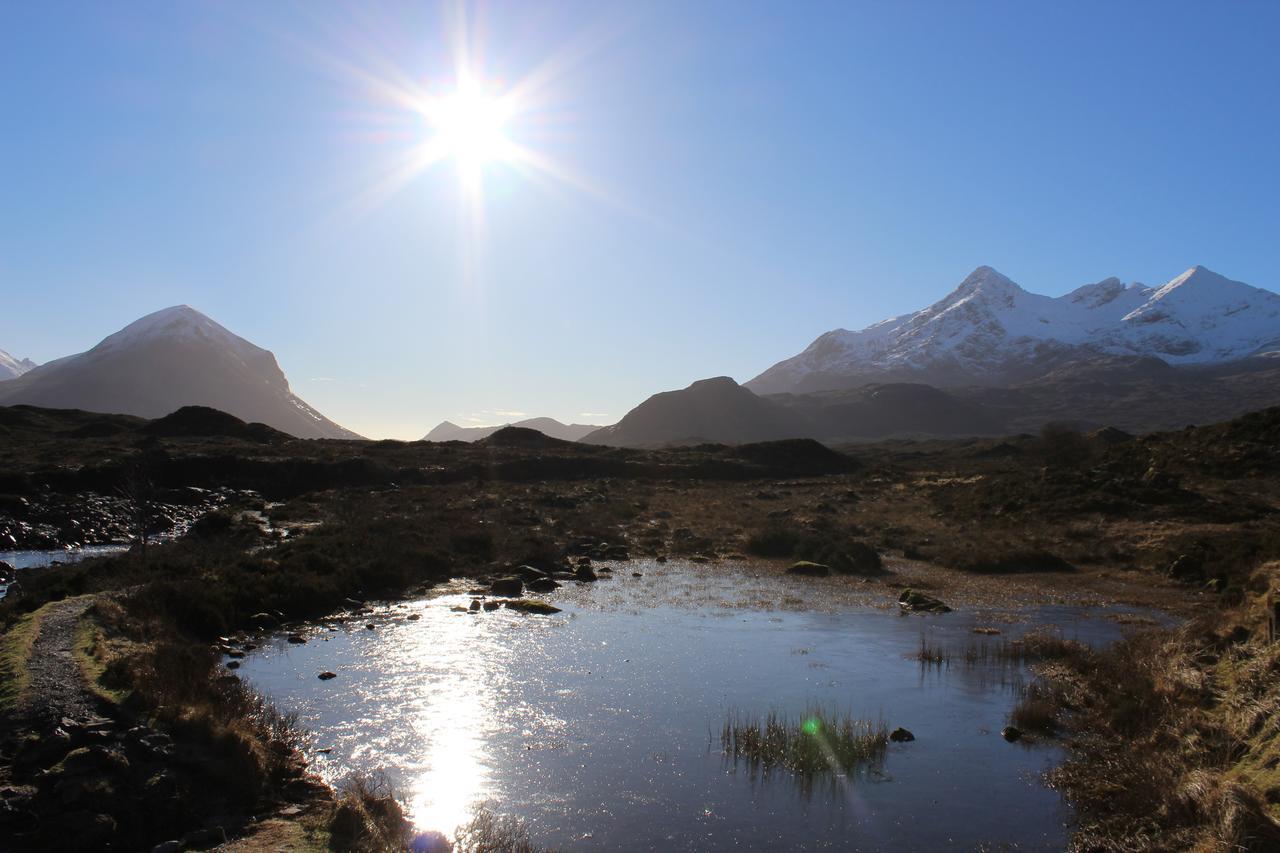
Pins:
x: 599, y: 726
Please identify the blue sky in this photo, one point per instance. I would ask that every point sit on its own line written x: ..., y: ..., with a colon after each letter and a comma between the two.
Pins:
x: 745, y: 177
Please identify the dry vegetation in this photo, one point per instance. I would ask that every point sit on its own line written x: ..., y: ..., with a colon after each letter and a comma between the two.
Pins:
x: 1177, y: 520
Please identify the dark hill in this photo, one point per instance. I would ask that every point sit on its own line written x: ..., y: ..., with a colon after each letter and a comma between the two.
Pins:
x: 710, y: 410
x: 514, y: 436
x: 202, y: 421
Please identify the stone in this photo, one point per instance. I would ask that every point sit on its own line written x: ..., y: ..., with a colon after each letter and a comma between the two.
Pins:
x: 1011, y: 733
x: 584, y: 573
x: 809, y: 569
x: 532, y: 606
x: 901, y: 735
x: 297, y: 639
x: 174, y: 846
x: 326, y: 675
x: 542, y: 585
x: 529, y: 573
x: 917, y: 602
x: 203, y: 839
x: 511, y: 586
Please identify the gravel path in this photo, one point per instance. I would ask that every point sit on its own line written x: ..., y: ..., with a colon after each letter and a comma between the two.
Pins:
x: 56, y: 687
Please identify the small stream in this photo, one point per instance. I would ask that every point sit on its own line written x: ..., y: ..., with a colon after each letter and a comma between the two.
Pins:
x: 600, y: 726
x: 36, y: 559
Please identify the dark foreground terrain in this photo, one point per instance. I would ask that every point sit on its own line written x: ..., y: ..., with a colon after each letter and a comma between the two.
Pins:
x: 123, y: 729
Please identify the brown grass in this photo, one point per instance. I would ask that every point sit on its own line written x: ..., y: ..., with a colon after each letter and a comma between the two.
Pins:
x: 1174, y: 736
x: 368, y: 817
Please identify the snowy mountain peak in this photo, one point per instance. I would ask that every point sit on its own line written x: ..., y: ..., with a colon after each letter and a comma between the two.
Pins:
x: 11, y: 368
x: 991, y: 330
x: 179, y: 321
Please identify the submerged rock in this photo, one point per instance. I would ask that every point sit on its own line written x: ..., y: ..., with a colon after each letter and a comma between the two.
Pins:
x: 918, y: 602
x: 809, y: 569
x: 533, y: 606
x: 901, y: 735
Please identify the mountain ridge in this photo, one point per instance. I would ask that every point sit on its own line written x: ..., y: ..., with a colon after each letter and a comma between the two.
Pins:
x: 989, y: 330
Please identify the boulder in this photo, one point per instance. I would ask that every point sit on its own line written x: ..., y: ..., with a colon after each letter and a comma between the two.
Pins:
x: 918, y: 602
x: 584, y: 573
x: 1011, y: 733
x: 809, y: 569
x: 542, y: 585
x: 901, y: 735
x: 297, y: 639
x: 511, y: 586
x: 529, y: 573
x: 326, y: 675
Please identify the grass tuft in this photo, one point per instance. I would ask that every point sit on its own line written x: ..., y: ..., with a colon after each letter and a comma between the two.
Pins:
x: 817, y: 743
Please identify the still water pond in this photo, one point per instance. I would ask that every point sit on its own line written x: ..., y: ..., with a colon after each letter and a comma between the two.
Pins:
x: 600, y: 726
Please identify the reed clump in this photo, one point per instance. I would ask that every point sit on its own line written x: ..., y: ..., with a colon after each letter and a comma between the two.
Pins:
x: 1034, y: 647
x: 817, y: 742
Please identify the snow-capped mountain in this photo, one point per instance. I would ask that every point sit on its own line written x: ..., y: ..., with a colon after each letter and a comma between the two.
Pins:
x: 989, y: 330
x: 11, y: 367
x: 173, y: 358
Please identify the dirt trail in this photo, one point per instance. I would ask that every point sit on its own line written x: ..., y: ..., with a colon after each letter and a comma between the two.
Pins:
x: 56, y: 688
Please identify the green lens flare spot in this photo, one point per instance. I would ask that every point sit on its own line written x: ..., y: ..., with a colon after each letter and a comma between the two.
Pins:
x: 811, y: 726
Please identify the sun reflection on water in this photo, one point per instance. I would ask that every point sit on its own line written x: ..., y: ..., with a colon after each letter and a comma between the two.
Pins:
x: 430, y: 696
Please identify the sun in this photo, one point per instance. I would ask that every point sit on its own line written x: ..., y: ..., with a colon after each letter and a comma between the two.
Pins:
x: 469, y: 126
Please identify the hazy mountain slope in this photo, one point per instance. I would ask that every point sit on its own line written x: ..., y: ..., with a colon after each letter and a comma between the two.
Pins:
x: 1135, y: 394
x: 11, y: 367
x: 710, y: 410
x: 170, y: 359
x: 449, y: 431
x: 991, y: 331
x: 893, y: 409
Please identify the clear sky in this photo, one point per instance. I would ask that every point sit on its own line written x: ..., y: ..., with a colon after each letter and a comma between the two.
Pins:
x: 723, y: 181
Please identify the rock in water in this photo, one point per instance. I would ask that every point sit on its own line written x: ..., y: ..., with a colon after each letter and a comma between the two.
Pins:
x: 1011, y: 733
x: 901, y: 735
x: 804, y: 567
x: 532, y: 605
x: 918, y: 602
x: 326, y: 675
x: 507, y: 586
